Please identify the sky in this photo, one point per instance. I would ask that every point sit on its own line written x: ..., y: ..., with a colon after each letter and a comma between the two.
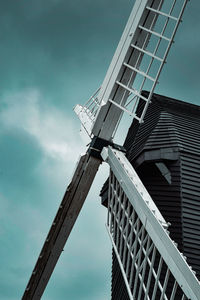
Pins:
x: 53, y: 55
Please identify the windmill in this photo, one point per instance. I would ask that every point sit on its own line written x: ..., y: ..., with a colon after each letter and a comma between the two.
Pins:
x: 136, y: 66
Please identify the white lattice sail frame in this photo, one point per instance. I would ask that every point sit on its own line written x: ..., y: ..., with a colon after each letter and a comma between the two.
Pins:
x: 141, y: 241
x: 136, y: 66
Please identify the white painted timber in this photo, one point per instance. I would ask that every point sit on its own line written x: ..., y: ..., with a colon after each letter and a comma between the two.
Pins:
x: 145, y: 235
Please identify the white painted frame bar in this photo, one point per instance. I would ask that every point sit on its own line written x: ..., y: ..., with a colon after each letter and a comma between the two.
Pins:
x: 153, y: 221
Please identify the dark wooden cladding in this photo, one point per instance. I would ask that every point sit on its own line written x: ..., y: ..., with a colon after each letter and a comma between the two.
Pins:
x: 118, y: 288
x: 170, y: 138
x: 165, y: 195
x: 191, y: 208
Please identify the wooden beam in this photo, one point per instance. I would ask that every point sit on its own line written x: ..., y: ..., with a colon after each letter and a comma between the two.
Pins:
x: 62, y: 225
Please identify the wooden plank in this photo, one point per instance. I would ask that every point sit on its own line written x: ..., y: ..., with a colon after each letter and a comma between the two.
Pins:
x: 62, y: 225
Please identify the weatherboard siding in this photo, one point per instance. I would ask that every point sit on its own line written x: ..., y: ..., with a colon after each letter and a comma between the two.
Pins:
x: 118, y: 287
x: 166, y: 196
x: 191, y: 209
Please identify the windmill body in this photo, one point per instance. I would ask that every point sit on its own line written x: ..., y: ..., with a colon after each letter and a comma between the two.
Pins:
x: 136, y: 66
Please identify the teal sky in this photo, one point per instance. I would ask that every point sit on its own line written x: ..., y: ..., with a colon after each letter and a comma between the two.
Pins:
x: 53, y: 55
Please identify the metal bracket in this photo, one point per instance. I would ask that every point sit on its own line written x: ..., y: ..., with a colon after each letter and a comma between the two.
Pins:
x: 97, y: 144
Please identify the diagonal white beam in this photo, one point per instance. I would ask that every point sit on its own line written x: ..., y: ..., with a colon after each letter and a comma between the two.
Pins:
x: 153, y: 221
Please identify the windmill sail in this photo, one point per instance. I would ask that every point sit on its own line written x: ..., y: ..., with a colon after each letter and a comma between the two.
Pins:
x: 136, y: 65
x: 141, y: 240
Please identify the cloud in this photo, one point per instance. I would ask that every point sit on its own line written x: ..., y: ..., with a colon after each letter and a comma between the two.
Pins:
x: 54, y: 130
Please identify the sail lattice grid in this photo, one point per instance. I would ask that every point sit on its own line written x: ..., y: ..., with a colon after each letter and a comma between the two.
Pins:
x: 148, y: 50
x: 151, y: 265
x: 137, y: 63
